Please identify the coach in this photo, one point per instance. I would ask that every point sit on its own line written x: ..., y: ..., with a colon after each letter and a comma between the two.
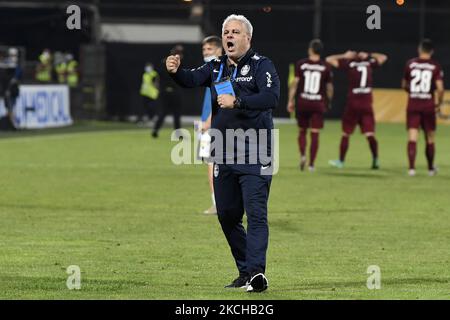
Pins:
x: 244, y: 89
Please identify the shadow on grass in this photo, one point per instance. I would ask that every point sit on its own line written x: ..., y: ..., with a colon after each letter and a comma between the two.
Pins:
x: 78, y: 127
x: 336, y: 285
x: 284, y: 225
x: 46, y: 284
x: 354, y: 174
x: 58, y: 208
x: 322, y: 210
x: 48, y: 287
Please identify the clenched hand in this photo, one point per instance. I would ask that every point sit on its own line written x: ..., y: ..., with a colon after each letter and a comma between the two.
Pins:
x: 172, y: 63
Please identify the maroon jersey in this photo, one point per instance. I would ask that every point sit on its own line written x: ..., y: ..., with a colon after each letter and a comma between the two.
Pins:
x: 311, y: 91
x: 421, y: 76
x: 359, y: 74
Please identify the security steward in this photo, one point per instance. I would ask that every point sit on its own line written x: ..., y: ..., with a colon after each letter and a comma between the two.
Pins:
x: 149, y: 91
x: 44, y: 68
x: 72, y: 71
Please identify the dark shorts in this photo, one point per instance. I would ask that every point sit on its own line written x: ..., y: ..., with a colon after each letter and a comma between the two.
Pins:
x: 310, y: 119
x: 353, y: 117
x: 421, y: 119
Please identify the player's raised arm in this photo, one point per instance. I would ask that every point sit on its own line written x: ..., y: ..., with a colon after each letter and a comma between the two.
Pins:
x: 334, y: 59
x: 291, y: 94
x: 380, y: 57
x: 330, y: 94
x: 200, y: 76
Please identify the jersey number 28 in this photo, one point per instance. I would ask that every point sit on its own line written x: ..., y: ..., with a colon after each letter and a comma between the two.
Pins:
x: 421, y: 81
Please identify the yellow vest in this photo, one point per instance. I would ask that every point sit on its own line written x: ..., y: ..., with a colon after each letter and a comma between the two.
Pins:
x: 61, y: 70
x: 72, y: 74
x: 45, y: 72
x: 148, y: 88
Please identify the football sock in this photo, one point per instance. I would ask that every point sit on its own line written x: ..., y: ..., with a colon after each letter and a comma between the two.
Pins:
x: 429, y: 152
x: 302, y: 141
x: 373, y: 146
x: 412, y: 154
x: 313, y: 148
x: 343, y: 148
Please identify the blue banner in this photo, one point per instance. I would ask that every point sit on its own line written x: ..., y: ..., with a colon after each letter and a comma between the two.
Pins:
x: 41, y: 106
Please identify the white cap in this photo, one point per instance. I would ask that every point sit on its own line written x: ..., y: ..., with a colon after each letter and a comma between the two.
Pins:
x: 13, y: 51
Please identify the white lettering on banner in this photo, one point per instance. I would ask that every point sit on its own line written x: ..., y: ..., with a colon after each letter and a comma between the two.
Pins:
x: 41, y: 106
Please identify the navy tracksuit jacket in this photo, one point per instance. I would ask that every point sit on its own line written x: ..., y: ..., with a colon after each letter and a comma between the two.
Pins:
x: 239, y: 187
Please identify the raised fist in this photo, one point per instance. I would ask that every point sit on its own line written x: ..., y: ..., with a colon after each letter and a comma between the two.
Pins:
x: 172, y: 63
x: 350, y: 54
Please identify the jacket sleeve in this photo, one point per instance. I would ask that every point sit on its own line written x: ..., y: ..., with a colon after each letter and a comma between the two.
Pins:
x: 268, y: 84
x: 198, y: 77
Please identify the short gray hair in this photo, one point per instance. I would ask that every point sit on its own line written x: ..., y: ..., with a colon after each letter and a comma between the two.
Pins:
x: 241, y: 18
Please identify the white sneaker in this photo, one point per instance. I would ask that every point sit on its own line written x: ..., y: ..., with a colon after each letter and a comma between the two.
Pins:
x: 302, y: 163
x: 258, y: 283
x: 211, y: 211
x: 432, y: 172
x: 411, y: 172
x: 336, y: 163
x: 311, y: 169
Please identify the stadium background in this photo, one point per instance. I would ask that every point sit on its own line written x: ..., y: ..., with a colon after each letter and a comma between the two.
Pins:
x: 111, y: 68
x: 106, y: 197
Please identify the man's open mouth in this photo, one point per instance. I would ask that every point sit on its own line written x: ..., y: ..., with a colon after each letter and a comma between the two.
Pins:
x: 230, y: 45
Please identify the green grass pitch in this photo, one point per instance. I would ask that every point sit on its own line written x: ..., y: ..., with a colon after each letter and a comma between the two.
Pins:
x: 107, y: 198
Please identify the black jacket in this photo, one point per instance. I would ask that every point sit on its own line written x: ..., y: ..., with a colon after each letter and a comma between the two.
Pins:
x: 256, y: 84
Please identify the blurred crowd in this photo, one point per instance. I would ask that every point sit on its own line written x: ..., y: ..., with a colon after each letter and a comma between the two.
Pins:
x: 60, y: 67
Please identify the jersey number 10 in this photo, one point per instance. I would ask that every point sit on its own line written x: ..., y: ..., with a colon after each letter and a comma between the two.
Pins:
x: 312, y: 81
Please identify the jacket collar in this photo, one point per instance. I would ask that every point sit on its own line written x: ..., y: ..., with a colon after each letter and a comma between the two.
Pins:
x: 243, y: 60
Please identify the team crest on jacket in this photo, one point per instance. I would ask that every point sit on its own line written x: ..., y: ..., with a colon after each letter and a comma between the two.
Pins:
x: 216, y: 170
x: 245, y: 69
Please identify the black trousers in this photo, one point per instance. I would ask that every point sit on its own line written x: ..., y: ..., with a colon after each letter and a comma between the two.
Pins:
x: 148, y: 107
x: 6, y: 122
x: 239, y: 188
x: 171, y: 103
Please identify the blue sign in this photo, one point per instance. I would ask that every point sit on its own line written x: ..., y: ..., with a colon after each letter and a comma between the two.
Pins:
x: 41, y: 106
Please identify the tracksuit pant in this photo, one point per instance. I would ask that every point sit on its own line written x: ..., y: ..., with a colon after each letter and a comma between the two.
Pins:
x: 171, y: 102
x: 239, y: 188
